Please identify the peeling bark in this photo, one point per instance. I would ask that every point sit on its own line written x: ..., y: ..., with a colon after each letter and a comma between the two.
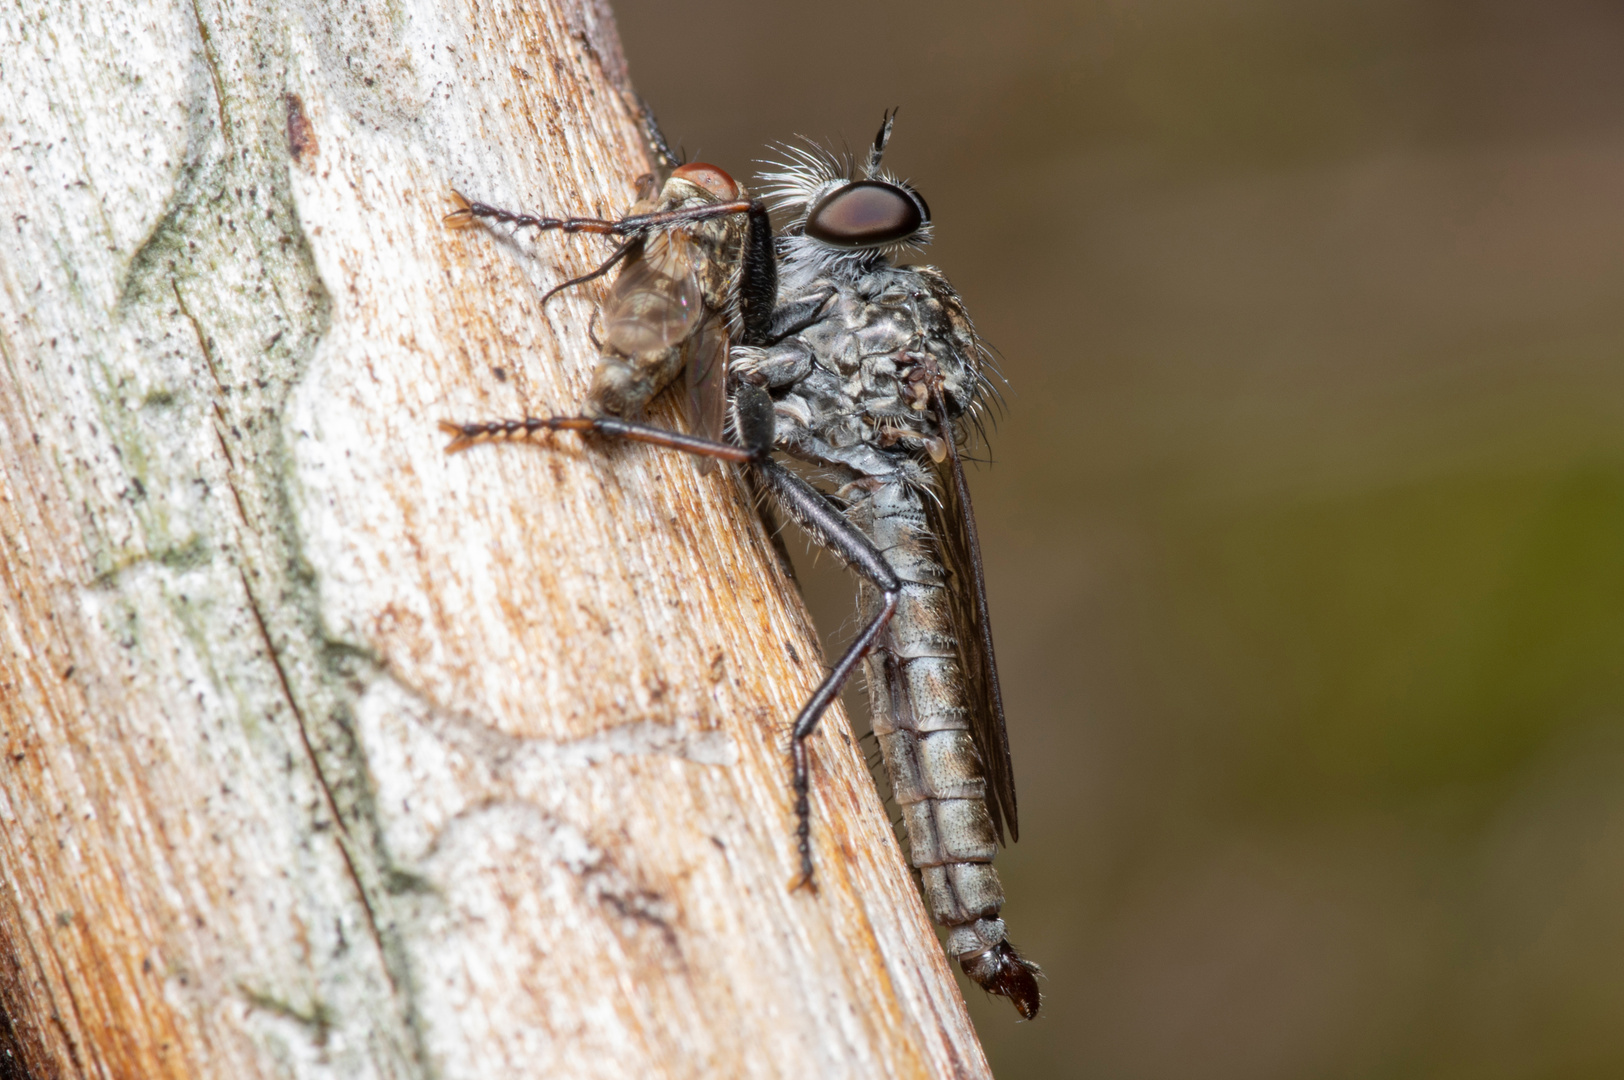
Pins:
x: 327, y: 754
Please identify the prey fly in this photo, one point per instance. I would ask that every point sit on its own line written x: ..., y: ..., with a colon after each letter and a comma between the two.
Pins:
x: 872, y: 371
x: 682, y: 294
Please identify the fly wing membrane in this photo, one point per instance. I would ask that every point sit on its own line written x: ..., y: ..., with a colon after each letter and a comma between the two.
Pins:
x: 707, y: 383
x: 656, y: 301
x: 954, y: 525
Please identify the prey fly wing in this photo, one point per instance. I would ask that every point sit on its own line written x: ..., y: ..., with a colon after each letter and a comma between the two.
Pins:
x: 706, y: 364
x: 656, y: 301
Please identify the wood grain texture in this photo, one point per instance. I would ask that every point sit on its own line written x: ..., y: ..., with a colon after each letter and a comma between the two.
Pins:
x: 327, y: 753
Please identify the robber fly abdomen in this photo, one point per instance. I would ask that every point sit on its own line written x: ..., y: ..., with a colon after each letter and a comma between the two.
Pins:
x: 916, y: 687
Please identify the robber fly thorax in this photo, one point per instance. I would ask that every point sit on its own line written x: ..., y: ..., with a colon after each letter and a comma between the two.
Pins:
x: 873, y: 371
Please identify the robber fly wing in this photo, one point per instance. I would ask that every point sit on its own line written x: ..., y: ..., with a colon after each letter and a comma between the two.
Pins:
x: 707, y: 382
x: 954, y: 525
x: 656, y: 301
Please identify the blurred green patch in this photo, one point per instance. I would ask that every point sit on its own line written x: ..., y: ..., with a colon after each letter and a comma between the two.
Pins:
x: 1407, y: 643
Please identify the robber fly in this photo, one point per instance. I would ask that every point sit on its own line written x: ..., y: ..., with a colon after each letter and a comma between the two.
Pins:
x: 881, y: 390
x: 873, y: 371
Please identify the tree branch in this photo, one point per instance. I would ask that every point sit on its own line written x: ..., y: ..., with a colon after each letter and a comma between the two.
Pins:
x: 327, y: 753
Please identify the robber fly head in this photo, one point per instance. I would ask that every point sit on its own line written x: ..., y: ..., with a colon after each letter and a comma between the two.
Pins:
x: 845, y: 211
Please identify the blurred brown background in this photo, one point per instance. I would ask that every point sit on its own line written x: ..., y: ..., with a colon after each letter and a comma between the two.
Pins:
x: 1306, y: 529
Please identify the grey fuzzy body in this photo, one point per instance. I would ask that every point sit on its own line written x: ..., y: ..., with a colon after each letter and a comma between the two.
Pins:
x: 850, y: 395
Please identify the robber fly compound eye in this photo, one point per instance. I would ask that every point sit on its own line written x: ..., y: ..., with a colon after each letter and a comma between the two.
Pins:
x: 867, y: 214
x: 710, y: 178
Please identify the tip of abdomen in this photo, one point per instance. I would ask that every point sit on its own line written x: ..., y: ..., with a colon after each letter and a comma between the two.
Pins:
x: 1003, y: 971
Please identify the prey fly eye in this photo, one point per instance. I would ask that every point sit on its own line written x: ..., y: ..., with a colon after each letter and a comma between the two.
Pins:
x: 710, y: 178
x: 869, y: 213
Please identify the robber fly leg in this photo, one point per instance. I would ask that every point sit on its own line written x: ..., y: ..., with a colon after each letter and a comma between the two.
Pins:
x: 795, y: 315
x: 664, y: 156
x: 811, y: 510
x: 754, y: 422
x: 802, y: 503
x: 467, y: 212
x: 465, y: 435
x: 758, y: 276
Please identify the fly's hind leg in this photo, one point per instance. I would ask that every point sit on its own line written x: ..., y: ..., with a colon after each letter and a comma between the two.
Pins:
x: 828, y: 527
x: 811, y: 510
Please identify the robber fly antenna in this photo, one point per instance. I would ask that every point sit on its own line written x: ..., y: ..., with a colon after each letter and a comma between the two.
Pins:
x: 877, y: 151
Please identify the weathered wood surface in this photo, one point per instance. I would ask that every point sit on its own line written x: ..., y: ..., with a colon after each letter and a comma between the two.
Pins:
x: 326, y: 753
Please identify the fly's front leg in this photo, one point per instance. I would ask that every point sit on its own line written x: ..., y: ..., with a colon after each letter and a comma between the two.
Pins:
x: 811, y: 510
x: 468, y: 212
x: 758, y: 275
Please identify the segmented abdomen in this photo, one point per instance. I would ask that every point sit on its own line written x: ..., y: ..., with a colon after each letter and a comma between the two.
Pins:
x: 917, y: 694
